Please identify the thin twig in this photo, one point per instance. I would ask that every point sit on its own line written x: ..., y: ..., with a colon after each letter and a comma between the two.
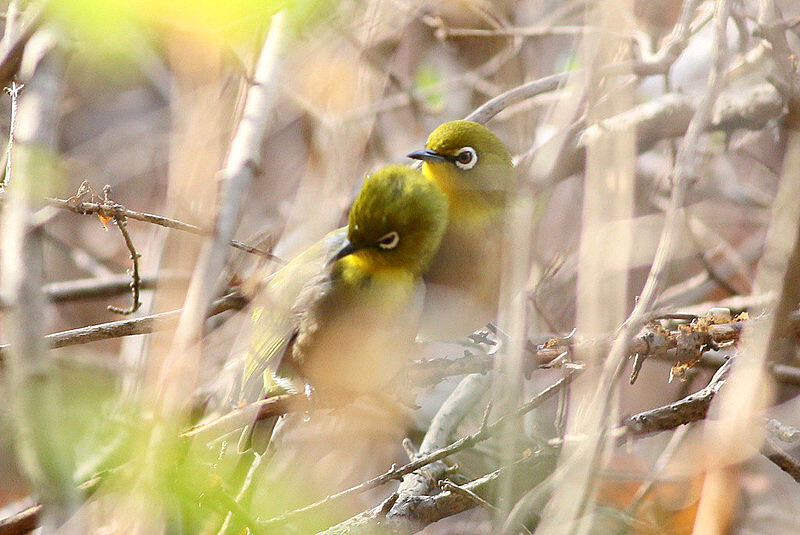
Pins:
x: 689, y: 409
x: 472, y: 78
x: 111, y: 286
x: 122, y: 224
x: 448, y: 486
x: 27, y: 520
x: 95, y: 287
x: 116, y: 329
x: 13, y: 92
x: 782, y: 460
x: 258, y: 410
x: 80, y: 255
x: 523, y: 92
x: 463, y: 443
x: 135, y: 280
x: 226, y: 526
x: 117, y: 210
x: 523, y: 31
x: 714, y: 276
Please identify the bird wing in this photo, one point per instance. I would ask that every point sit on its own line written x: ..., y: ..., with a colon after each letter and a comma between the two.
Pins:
x: 274, y: 312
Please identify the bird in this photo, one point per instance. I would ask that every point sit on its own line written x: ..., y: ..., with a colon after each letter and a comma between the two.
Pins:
x: 469, y: 167
x: 324, y: 322
x: 343, y: 315
x: 474, y: 169
x: 341, y: 318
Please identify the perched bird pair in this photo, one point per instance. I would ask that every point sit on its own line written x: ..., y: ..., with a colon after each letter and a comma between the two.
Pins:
x: 344, y: 313
x: 420, y: 255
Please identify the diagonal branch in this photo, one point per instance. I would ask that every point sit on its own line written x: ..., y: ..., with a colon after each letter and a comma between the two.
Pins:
x: 241, y: 166
x: 115, y: 329
x: 115, y: 210
x: 136, y: 281
x: 403, y: 520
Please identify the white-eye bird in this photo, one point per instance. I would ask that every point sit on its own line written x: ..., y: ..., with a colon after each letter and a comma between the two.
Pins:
x: 473, y: 167
x: 344, y: 314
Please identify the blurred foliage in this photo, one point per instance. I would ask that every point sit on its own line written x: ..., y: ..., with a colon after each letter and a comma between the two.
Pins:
x: 429, y: 81
x: 147, y: 99
x: 116, y: 27
x: 71, y: 406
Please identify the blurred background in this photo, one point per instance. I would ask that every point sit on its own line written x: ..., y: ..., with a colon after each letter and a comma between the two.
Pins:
x: 153, y: 92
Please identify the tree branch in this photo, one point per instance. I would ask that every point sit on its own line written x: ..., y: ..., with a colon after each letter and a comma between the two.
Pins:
x: 689, y: 409
x: 116, y: 329
x: 403, y: 519
x: 114, y: 210
x: 241, y: 166
x: 668, y: 117
x: 35, y: 387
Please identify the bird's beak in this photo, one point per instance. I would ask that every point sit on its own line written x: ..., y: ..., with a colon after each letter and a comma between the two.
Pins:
x: 429, y: 155
x: 347, y: 249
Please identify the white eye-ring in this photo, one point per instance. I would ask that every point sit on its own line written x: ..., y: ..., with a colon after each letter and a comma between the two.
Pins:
x: 389, y: 241
x: 466, y: 158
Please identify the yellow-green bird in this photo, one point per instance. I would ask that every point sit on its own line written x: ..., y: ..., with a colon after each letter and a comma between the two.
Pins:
x: 344, y: 314
x: 474, y: 169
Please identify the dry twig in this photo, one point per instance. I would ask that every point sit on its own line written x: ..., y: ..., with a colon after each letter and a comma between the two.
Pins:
x: 136, y: 281
x: 115, y: 210
x: 405, y: 518
x: 116, y: 329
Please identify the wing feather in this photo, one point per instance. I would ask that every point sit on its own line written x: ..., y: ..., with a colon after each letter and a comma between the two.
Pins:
x: 275, y: 319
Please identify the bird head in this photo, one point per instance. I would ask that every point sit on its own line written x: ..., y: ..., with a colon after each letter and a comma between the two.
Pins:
x: 397, y: 221
x: 471, y: 165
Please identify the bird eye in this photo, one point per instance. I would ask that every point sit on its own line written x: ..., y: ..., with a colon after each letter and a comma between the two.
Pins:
x: 466, y: 158
x: 389, y: 241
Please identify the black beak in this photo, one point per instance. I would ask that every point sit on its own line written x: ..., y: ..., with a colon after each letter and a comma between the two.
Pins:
x: 426, y: 155
x: 347, y: 249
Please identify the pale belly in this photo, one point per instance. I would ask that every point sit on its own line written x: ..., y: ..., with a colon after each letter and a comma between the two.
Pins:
x: 463, y: 286
x: 363, y: 347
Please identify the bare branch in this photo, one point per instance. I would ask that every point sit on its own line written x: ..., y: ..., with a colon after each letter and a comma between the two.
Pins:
x: 689, y: 409
x: 157, y: 322
x: 563, y: 507
x: 782, y: 460
x: 111, y: 286
x: 668, y: 117
x: 114, y: 210
x: 28, y: 519
x: 661, y: 64
x: 403, y: 519
x: 430, y: 509
x: 94, y: 287
x: 135, y: 280
x: 241, y: 166
x: 452, y: 412
x: 13, y: 49
x: 34, y: 384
